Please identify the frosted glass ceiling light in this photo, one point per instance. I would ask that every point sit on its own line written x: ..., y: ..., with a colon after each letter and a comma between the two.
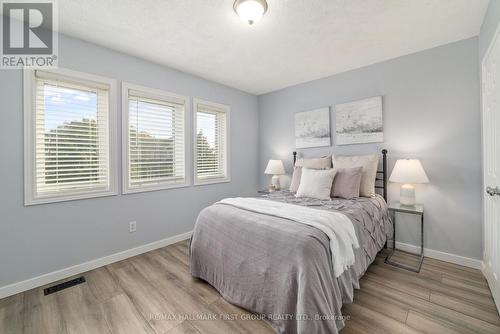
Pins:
x: 250, y: 11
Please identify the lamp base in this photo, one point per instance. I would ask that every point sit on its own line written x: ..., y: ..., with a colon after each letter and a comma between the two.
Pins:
x: 275, y: 181
x: 407, y: 194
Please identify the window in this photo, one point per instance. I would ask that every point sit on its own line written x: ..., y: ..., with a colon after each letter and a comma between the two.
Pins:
x: 211, y: 146
x: 69, y: 136
x: 154, y: 148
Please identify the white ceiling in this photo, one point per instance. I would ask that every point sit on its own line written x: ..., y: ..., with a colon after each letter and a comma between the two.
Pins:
x: 296, y: 41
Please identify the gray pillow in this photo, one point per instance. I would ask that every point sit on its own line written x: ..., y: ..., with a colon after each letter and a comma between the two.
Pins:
x: 347, y: 182
x: 311, y: 163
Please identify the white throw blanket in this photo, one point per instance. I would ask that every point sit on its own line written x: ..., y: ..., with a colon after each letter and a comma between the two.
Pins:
x: 335, y: 225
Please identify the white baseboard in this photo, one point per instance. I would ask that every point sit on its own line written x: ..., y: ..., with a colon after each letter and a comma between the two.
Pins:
x: 438, y: 255
x: 57, y: 275
x: 54, y: 276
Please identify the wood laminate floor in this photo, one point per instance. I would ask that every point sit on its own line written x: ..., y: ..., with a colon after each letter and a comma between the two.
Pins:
x: 154, y: 293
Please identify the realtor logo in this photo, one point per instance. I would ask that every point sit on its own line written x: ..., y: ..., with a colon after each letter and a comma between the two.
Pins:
x: 29, y: 34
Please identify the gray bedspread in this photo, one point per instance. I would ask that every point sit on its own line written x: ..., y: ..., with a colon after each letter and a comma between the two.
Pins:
x: 282, y: 269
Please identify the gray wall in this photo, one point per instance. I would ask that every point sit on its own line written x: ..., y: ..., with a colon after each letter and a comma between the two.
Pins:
x: 40, y: 239
x: 431, y: 112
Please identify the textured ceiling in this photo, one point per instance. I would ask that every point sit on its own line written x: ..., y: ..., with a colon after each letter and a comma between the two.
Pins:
x: 296, y: 41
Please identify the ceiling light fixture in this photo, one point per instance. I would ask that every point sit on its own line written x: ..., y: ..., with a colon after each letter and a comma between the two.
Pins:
x: 250, y: 11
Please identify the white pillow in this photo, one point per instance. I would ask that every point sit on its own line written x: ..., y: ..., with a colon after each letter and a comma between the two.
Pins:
x: 312, y: 163
x: 369, y: 164
x: 316, y: 183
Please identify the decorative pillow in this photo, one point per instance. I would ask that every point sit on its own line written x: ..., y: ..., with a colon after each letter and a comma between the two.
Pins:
x: 316, y: 183
x: 346, y: 182
x: 294, y: 184
x: 313, y: 163
x: 369, y: 164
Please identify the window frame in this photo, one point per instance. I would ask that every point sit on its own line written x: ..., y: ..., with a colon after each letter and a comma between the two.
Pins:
x: 154, y: 94
x: 224, y: 108
x: 29, y: 111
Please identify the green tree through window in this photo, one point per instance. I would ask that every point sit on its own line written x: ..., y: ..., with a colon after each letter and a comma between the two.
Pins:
x: 206, y: 156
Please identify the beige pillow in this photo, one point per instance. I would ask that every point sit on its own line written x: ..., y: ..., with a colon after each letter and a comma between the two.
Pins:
x: 312, y: 163
x: 315, y: 163
x: 369, y: 164
x: 316, y: 183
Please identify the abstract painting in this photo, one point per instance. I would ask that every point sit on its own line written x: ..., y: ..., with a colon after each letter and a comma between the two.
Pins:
x: 312, y: 128
x: 359, y: 122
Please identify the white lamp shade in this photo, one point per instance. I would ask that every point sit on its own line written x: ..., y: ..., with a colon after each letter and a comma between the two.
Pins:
x: 275, y: 167
x: 408, y: 171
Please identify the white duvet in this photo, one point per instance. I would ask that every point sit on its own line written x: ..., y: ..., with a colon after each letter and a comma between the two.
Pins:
x: 335, y: 225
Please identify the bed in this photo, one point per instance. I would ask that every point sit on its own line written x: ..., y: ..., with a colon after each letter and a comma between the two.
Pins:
x: 284, y: 270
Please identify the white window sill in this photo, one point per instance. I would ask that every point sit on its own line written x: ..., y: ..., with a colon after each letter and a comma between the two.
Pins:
x: 154, y: 188
x: 65, y: 198
x: 212, y: 181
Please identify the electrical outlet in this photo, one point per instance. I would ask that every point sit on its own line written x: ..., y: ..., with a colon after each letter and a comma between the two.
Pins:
x: 132, y: 227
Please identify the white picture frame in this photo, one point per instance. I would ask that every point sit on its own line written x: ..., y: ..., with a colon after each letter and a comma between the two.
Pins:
x: 359, y: 122
x: 312, y: 128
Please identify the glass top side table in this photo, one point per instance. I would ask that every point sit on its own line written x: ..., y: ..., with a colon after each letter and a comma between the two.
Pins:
x: 417, y: 209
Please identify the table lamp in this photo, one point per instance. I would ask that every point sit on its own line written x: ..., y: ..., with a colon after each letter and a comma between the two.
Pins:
x: 275, y: 168
x: 408, y: 172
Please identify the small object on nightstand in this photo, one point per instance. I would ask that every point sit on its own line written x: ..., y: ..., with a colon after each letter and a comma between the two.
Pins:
x: 416, y: 209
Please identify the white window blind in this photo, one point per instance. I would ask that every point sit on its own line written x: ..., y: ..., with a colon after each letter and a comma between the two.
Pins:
x: 156, y: 143
x: 71, y: 137
x: 211, y: 143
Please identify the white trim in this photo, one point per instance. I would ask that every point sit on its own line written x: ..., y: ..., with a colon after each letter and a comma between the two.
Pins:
x: 35, y: 282
x: 491, y: 278
x: 212, y: 181
x: 65, y: 198
x: 227, y: 109
x: 54, y: 276
x: 438, y: 255
x: 490, y: 46
x: 29, y: 131
x: 495, y: 292
x: 143, y: 189
x: 161, y: 95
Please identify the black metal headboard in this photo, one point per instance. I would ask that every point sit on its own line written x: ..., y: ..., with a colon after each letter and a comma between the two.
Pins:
x: 384, y: 175
x: 381, y: 179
